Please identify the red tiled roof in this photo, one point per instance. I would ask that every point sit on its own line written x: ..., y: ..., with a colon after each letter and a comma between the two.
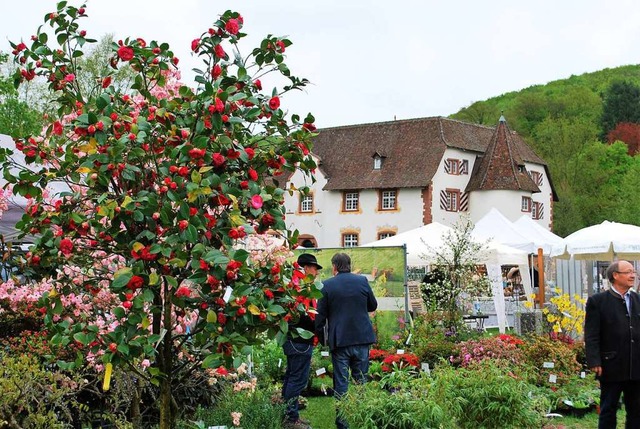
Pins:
x: 501, y: 166
x: 412, y: 151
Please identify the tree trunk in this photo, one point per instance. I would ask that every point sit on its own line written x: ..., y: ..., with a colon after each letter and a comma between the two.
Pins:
x: 136, y: 416
x: 168, y: 413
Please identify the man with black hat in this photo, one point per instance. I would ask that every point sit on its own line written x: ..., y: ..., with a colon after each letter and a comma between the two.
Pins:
x: 298, y: 351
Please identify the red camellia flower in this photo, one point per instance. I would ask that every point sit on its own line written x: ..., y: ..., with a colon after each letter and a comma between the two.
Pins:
x: 183, y: 224
x: 216, y: 71
x: 183, y: 291
x: 253, y: 174
x: 250, y: 152
x: 274, y: 103
x: 280, y: 46
x: 219, y: 105
x: 219, y: 51
x: 196, y: 153
x: 258, y: 84
x: 222, y: 371
x: 242, y: 311
x: 268, y: 293
x: 256, y: 202
x: 106, y: 82
x: 194, y: 45
x: 136, y: 282
x: 125, y: 53
x: 232, y: 26
x: 66, y: 246
x: 113, y: 347
x: 127, y: 304
x: 218, y: 159
x: 57, y: 128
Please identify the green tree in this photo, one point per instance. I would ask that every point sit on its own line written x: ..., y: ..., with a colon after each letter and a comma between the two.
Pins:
x: 17, y: 118
x: 162, y: 183
x: 621, y: 103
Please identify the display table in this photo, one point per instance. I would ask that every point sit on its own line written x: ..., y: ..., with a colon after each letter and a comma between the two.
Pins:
x: 478, y: 319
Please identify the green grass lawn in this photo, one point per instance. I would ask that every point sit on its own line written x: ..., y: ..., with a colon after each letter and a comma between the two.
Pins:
x: 320, y: 412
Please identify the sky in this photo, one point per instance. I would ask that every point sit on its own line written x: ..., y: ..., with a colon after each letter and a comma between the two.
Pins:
x: 374, y: 61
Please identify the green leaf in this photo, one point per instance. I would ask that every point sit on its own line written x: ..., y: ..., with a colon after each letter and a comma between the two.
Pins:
x: 121, y: 278
x: 191, y: 234
x: 62, y: 38
x: 303, y: 333
x: 124, y: 349
x: 211, y: 361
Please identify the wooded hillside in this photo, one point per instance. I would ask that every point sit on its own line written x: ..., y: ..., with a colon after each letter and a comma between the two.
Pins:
x: 575, y: 124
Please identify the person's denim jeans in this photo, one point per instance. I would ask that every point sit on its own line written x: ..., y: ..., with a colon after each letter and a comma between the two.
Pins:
x: 348, y: 362
x: 296, y: 375
x: 609, y: 399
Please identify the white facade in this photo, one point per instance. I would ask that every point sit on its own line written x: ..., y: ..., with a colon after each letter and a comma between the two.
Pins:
x: 327, y: 221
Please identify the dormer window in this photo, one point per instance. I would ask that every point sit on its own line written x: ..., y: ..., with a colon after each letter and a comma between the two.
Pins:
x: 378, y: 159
x: 377, y: 163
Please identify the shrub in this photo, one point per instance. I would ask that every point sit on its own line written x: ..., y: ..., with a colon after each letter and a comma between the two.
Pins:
x: 255, y: 410
x: 370, y: 407
x: 540, y: 349
x: 33, y: 397
x: 504, y: 348
x: 270, y: 363
x: 487, y: 396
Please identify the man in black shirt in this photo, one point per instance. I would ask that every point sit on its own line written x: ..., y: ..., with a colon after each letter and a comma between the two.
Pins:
x: 298, y: 351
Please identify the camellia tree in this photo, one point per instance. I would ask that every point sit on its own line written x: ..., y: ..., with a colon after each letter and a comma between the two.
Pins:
x: 140, y: 200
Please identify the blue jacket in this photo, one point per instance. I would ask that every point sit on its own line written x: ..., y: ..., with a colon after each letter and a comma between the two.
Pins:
x: 346, y: 302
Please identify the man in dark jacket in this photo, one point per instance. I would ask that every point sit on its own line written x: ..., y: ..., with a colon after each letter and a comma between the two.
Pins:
x: 346, y: 302
x: 298, y: 351
x: 612, y: 341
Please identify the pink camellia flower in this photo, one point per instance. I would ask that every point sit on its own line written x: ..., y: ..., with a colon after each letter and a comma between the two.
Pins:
x: 66, y: 246
x: 274, y: 103
x: 70, y: 77
x: 219, y: 51
x: 232, y: 26
x: 256, y: 201
x: 125, y: 53
x: 194, y: 45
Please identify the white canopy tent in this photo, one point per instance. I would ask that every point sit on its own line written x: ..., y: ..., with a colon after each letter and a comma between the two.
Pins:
x: 542, y: 238
x: 495, y: 226
x: 422, y: 243
x: 603, y: 242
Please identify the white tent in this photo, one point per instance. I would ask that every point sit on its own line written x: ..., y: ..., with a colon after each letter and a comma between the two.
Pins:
x: 495, y: 226
x: 603, y: 242
x: 421, y: 243
x: 542, y: 238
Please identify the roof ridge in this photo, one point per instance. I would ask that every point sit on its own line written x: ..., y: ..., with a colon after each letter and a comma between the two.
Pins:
x: 365, y: 124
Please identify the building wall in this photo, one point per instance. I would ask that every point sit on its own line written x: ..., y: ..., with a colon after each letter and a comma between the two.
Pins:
x: 442, y: 181
x: 416, y: 207
x: 329, y: 222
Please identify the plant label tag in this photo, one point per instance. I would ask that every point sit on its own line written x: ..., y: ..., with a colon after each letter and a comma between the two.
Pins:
x: 408, y: 339
x: 279, y: 363
x: 425, y: 368
x: 568, y: 402
x: 227, y: 294
x: 217, y: 427
x: 320, y: 371
x: 583, y: 374
x: 548, y: 365
x: 553, y: 378
x: 400, y: 352
x: 324, y: 354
